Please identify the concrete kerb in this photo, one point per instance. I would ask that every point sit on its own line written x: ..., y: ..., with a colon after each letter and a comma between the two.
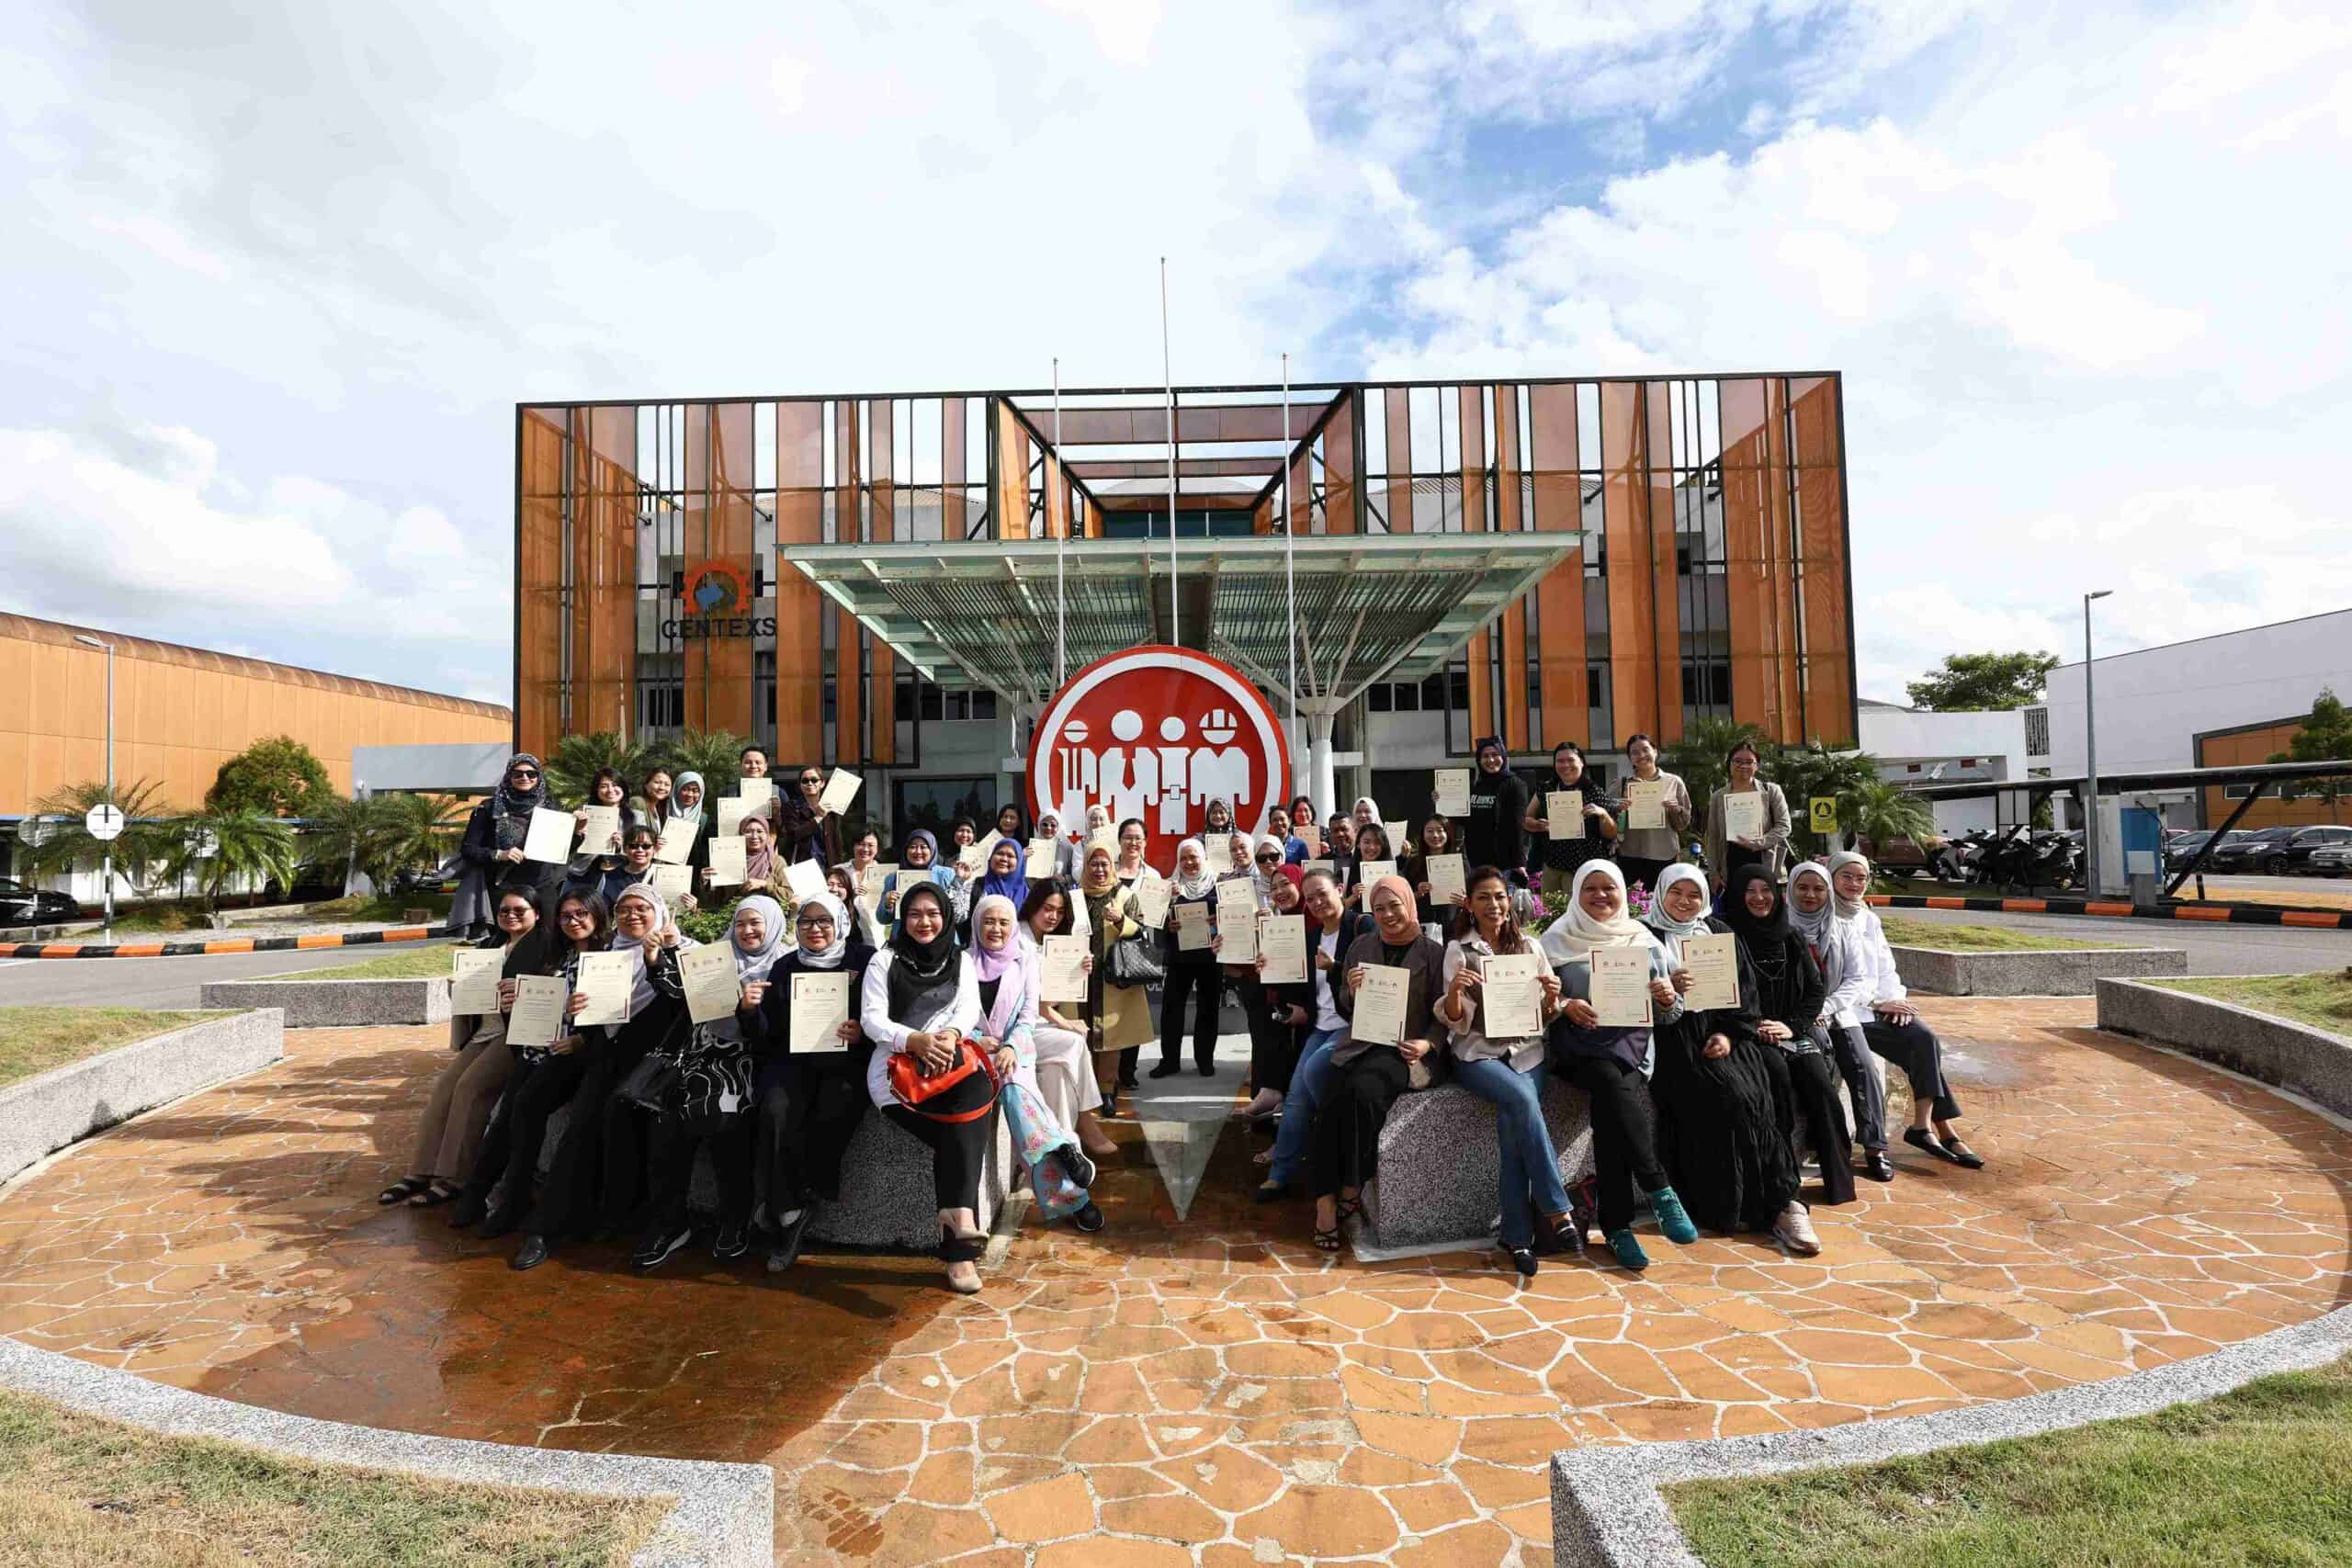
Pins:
x: 330, y: 1004
x: 724, y: 1516
x: 67, y: 1104
x: 2036, y: 972
x: 1607, y: 1507
x: 2276, y: 1051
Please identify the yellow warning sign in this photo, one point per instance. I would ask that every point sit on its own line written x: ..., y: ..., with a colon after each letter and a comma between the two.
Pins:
x: 1825, y: 813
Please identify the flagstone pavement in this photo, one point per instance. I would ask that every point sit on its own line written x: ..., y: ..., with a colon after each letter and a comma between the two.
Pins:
x: 1206, y: 1390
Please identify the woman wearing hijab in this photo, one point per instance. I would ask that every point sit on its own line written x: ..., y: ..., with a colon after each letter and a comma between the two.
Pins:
x: 1788, y: 1000
x: 1331, y: 930
x: 763, y: 866
x: 1368, y: 1077
x: 492, y: 849
x: 1813, y: 918
x: 1191, y: 974
x: 1612, y: 1063
x: 708, y: 1101
x: 1279, y: 1013
x: 1118, y: 1018
x: 1065, y: 1070
x: 1507, y: 1072
x: 1066, y: 862
x: 1216, y: 823
x: 1766, y: 847
x: 1007, y: 876
x: 1643, y: 852
x: 1495, y: 833
x: 1721, y: 1094
x: 1561, y: 858
x: 1268, y: 859
x: 464, y: 1092
x: 922, y: 999
x: 918, y: 866
x: 809, y: 1106
x: 1060, y: 1171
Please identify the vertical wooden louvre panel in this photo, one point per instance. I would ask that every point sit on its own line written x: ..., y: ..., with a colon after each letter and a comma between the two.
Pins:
x: 1821, y: 530
x: 1398, y: 413
x: 848, y: 637
x: 1559, y: 597
x: 1011, y: 473
x: 1625, y: 503
x: 881, y: 694
x: 1507, y: 519
x: 1665, y: 595
x: 1339, y: 478
x: 800, y: 618
x: 1473, y: 477
x: 538, y: 710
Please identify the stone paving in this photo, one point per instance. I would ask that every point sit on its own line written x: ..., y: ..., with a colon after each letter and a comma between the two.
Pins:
x: 1211, y: 1390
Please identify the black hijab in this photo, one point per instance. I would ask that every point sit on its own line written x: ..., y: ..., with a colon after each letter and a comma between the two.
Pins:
x: 1763, y: 938
x: 922, y: 974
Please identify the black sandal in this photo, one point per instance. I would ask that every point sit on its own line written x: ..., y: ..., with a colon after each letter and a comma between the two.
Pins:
x: 435, y: 1194
x: 1327, y: 1241
x: 403, y: 1190
x: 1351, y: 1207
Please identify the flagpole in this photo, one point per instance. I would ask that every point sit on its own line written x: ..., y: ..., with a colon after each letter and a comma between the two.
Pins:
x: 1290, y: 563
x: 1169, y: 375
x: 1060, y: 534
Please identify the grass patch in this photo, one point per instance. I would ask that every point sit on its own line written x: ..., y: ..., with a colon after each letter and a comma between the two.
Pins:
x: 165, y: 919
x: 379, y: 910
x: 33, y: 1040
x: 403, y: 961
x: 2257, y: 1477
x: 2323, y: 1000
x: 83, y: 1491
x: 1977, y: 938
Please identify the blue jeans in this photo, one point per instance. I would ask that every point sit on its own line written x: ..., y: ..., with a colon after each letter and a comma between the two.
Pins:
x: 1307, y: 1082
x: 1530, y: 1166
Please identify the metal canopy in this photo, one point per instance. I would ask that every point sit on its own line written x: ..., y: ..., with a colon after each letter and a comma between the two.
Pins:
x: 1371, y: 607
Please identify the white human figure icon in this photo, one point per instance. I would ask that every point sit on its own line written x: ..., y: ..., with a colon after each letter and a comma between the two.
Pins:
x: 1220, y: 768
x: 1078, y: 770
x: 1129, y: 784
x: 1173, y: 774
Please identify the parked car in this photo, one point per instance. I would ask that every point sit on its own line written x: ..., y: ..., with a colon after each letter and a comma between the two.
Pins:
x: 2242, y: 851
x: 2292, y: 856
x: 2331, y: 860
x: 442, y: 878
x: 2180, y: 848
x: 23, y: 906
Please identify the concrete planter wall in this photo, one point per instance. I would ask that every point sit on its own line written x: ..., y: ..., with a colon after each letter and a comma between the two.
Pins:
x: 2049, y: 972
x: 326, y: 1004
x: 45, y: 1113
x: 2310, y: 1061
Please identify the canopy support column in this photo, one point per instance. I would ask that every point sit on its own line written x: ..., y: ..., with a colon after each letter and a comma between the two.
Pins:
x: 1320, y: 781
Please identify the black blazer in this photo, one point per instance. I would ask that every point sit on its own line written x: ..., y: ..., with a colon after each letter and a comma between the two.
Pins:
x: 768, y: 1032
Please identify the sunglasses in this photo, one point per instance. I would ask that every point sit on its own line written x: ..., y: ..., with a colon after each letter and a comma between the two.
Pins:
x: 811, y: 779
x: 523, y: 774
x: 1269, y: 855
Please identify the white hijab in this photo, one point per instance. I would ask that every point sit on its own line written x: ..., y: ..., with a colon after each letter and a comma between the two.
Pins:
x: 640, y: 984
x: 1573, y: 937
x: 1815, y: 927
x: 1657, y: 920
x: 1847, y: 909
x: 1200, y: 883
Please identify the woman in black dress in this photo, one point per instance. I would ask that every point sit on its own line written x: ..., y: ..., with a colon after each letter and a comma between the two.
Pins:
x: 809, y: 1106
x: 1788, y: 997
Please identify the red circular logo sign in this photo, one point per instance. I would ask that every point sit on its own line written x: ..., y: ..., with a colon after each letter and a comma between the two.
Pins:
x: 1157, y: 733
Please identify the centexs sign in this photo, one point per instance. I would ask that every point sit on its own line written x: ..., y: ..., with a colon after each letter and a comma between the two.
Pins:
x: 717, y: 599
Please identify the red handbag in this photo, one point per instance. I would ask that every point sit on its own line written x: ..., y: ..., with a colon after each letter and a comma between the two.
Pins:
x: 947, y: 1094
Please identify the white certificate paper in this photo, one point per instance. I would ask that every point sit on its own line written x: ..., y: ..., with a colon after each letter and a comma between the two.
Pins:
x: 1399, y: 839
x: 549, y: 839
x: 712, y: 990
x: 1743, y: 813
x: 1192, y: 928
x: 1453, y: 790
x: 758, y: 794
x: 1062, y: 976
x: 1105, y: 839
x: 1152, y: 896
x: 600, y: 830
x: 872, y: 879
x: 819, y: 1008
x: 1446, y: 874
x: 1563, y: 813
x: 605, y: 979
x: 1511, y: 996
x: 1380, y: 1005
x: 1038, y: 858
x: 537, y: 1017
x: 973, y: 859
x: 1236, y: 920
x: 672, y: 882
x: 727, y: 861
x: 1645, y: 803
x: 806, y: 878
x: 1371, y: 870
x: 840, y: 790
x: 1713, y: 964
x: 733, y: 809
x: 678, y: 840
x: 1282, y: 943
x: 1620, y: 987
x: 473, y: 980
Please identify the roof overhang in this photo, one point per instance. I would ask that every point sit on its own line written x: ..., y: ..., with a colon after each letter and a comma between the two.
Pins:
x: 1369, y: 607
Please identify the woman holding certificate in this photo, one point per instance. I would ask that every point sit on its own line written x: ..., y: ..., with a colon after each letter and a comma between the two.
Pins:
x: 1130, y: 867
x: 492, y: 849
x: 1118, y: 1018
x: 1587, y: 828
x: 1657, y: 813
x: 805, y: 830
x: 1012, y: 978
x: 1789, y: 994
x: 1614, y: 979
x: 1500, y: 997
x: 919, y: 867
x: 604, y: 822
x: 1065, y: 1074
x: 1723, y: 1095
x: 922, y: 1004
x: 1438, y: 838
x: 1748, y: 822
x: 811, y: 1058
x: 1279, y: 1000
x: 1192, y: 974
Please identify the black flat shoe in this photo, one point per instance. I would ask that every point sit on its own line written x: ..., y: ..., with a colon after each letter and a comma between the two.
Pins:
x: 471, y: 1207
x: 1088, y: 1219
x: 531, y: 1254
x: 732, y: 1243
x: 787, y: 1247
x: 1877, y: 1167
x: 1165, y: 1070
x: 1076, y: 1165
x: 658, y: 1247
x: 1964, y: 1157
x: 1926, y: 1141
x: 1271, y: 1193
x: 1523, y: 1260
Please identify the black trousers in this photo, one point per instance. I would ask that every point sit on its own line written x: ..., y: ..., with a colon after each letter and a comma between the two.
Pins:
x: 1273, y: 1045
x: 1343, y: 1151
x: 1625, y: 1132
x: 809, y: 1107
x: 674, y: 1144
x: 958, y: 1149
x: 1206, y: 983
x: 1914, y: 1047
x: 1645, y: 872
x: 602, y: 1151
x: 1812, y: 1092
x: 510, y: 1150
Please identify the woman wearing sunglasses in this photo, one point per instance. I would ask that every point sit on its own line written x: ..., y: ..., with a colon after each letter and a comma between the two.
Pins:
x: 492, y: 849
x: 806, y: 830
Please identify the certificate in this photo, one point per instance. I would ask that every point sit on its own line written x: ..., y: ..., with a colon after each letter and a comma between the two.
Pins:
x: 1380, y: 1005
x: 806, y: 878
x: 1311, y: 836
x: 1563, y: 813
x: 973, y: 859
x: 1062, y: 976
x: 537, y: 1017
x: 549, y: 839
x: 1192, y: 928
x: 758, y: 794
x: 1620, y: 987
x: 473, y: 980
x: 1713, y: 964
x: 712, y: 990
x: 1446, y: 880
x: 1743, y: 813
x: 1282, y: 943
x: 871, y: 880
x: 1452, y: 792
x: 1236, y: 920
x: 605, y: 979
x: 1152, y: 897
x: 1038, y: 858
x: 727, y: 861
x: 1510, y: 998
x: 1399, y: 841
x: 1080, y: 923
x: 1645, y: 803
x: 672, y: 882
x: 1105, y: 839
x: 819, y: 1008
x: 733, y: 809
x: 1371, y: 870
x: 841, y: 788
x: 678, y: 840
x: 600, y: 830
x: 1324, y: 866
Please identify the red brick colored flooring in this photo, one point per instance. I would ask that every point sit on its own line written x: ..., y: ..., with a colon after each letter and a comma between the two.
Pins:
x: 1213, y: 1391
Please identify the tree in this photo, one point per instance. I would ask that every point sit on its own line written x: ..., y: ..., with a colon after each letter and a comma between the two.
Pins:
x: 222, y: 848
x: 417, y: 829
x: 1804, y: 771
x: 715, y: 754
x: 576, y: 758
x: 1881, y: 811
x: 147, y: 843
x: 280, y: 776
x: 2325, y: 737
x: 1975, y: 682
x: 1697, y: 758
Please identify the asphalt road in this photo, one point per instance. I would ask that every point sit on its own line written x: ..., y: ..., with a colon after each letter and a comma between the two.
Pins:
x: 2277, y: 886
x: 2211, y: 949
x: 156, y: 982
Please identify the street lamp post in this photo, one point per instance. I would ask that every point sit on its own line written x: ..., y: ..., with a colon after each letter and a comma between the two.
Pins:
x: 2090, y: 752
x: 107, y: 872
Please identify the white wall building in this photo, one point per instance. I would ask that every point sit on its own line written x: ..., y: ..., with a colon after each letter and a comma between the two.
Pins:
x: 1914, y: 746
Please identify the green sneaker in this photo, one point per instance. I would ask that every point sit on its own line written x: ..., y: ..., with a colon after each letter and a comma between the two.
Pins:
x: 1672, y: 1218
x: 1629, y: 1251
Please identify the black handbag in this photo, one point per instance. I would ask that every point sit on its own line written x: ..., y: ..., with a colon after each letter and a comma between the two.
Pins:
x: 649, y: 1084
x: 1133, y: 962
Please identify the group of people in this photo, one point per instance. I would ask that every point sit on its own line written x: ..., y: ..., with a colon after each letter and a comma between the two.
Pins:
x: 1702, y: 1112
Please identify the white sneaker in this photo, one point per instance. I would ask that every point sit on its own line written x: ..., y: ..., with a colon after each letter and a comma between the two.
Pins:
x: 1794, y: 1227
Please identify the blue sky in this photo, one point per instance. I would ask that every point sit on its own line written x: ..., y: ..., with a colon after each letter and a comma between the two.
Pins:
x: 279, y: 284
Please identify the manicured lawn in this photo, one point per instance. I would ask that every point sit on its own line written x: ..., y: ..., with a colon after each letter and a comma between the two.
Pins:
x: 2258, y: 1476
x: 1976, y: 939
x: 2323, y: 1000
x: 96, y: 1494
x: 400, y: 961
x: 33, y: 1040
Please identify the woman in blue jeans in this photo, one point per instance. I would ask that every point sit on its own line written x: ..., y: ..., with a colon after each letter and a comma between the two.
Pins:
x: 1507, y: 1073
x: 1331, y: 928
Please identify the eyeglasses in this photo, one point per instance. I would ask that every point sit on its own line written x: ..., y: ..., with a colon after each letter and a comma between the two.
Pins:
x: 577, y: 917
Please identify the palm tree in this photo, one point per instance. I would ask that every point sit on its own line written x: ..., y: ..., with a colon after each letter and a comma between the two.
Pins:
x: 1882, y: 810
x: 576, y: 758
x: 715, y: 754
x: 417, y: 829
x: 1813, y: 770
x: 342, y: 832
x: 226, y: 847
x: 1698, y: 756
x: 63, y: 841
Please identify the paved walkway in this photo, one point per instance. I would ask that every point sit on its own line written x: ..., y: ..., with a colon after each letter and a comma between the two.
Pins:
x: 1207, y: 1390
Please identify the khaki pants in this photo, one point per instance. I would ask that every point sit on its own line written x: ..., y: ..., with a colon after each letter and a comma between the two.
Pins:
x: 459, y: 1109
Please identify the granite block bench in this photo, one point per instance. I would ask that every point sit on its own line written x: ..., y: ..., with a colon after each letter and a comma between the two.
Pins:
x: 1440, y: 1168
